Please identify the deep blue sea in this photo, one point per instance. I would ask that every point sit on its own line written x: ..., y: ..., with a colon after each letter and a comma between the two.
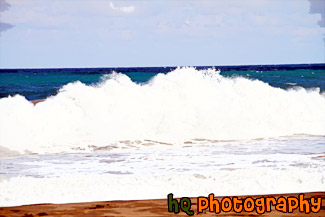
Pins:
x: 41, y: 83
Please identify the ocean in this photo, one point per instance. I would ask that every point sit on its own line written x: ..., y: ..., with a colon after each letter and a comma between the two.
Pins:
x: 141, y: 133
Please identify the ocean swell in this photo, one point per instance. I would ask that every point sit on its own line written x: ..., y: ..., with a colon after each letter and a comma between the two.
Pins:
x: 173, y: 108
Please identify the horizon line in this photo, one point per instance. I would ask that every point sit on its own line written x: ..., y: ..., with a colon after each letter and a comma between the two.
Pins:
x: 116, y: 67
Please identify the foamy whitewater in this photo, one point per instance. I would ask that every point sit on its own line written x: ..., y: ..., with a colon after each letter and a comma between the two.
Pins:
x: 187, y: 132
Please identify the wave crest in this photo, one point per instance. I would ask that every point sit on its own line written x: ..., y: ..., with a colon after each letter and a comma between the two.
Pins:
x: 183, y: 104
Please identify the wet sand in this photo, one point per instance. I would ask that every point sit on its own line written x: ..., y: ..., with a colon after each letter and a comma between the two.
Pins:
x: 139, y: 208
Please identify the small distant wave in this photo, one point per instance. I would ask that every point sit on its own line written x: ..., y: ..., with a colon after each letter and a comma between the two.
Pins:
x: 175, y: 107
x: 291, y: 84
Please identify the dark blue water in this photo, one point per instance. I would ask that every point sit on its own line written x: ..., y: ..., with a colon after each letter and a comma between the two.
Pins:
x: 41, y: 83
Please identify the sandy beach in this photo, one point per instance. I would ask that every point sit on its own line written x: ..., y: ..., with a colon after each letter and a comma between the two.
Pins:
x: 141, y: 208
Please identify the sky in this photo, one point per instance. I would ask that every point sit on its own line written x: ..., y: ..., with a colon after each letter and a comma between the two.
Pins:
x: 140, y: 33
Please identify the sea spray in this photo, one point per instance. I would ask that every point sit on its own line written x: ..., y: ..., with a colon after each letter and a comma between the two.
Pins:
x: 171, y: 108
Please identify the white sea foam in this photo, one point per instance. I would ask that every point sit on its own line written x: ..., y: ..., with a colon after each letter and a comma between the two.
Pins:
x: 150, y: 172
x: 84, y: 188
x: 184, y: 104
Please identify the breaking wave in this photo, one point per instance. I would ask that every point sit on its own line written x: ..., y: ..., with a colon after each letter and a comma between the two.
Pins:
x: 181, y: 105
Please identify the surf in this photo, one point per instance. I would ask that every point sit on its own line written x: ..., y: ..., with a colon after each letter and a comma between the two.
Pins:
x: 171, y: 108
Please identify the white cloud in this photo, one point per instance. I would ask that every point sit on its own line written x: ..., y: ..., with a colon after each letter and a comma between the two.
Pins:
x: 125, y: 9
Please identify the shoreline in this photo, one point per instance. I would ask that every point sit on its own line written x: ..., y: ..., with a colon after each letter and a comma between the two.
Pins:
x: 137, y: 208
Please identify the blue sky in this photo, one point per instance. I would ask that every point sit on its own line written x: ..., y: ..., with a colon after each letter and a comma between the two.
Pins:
x: 121, y: 33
